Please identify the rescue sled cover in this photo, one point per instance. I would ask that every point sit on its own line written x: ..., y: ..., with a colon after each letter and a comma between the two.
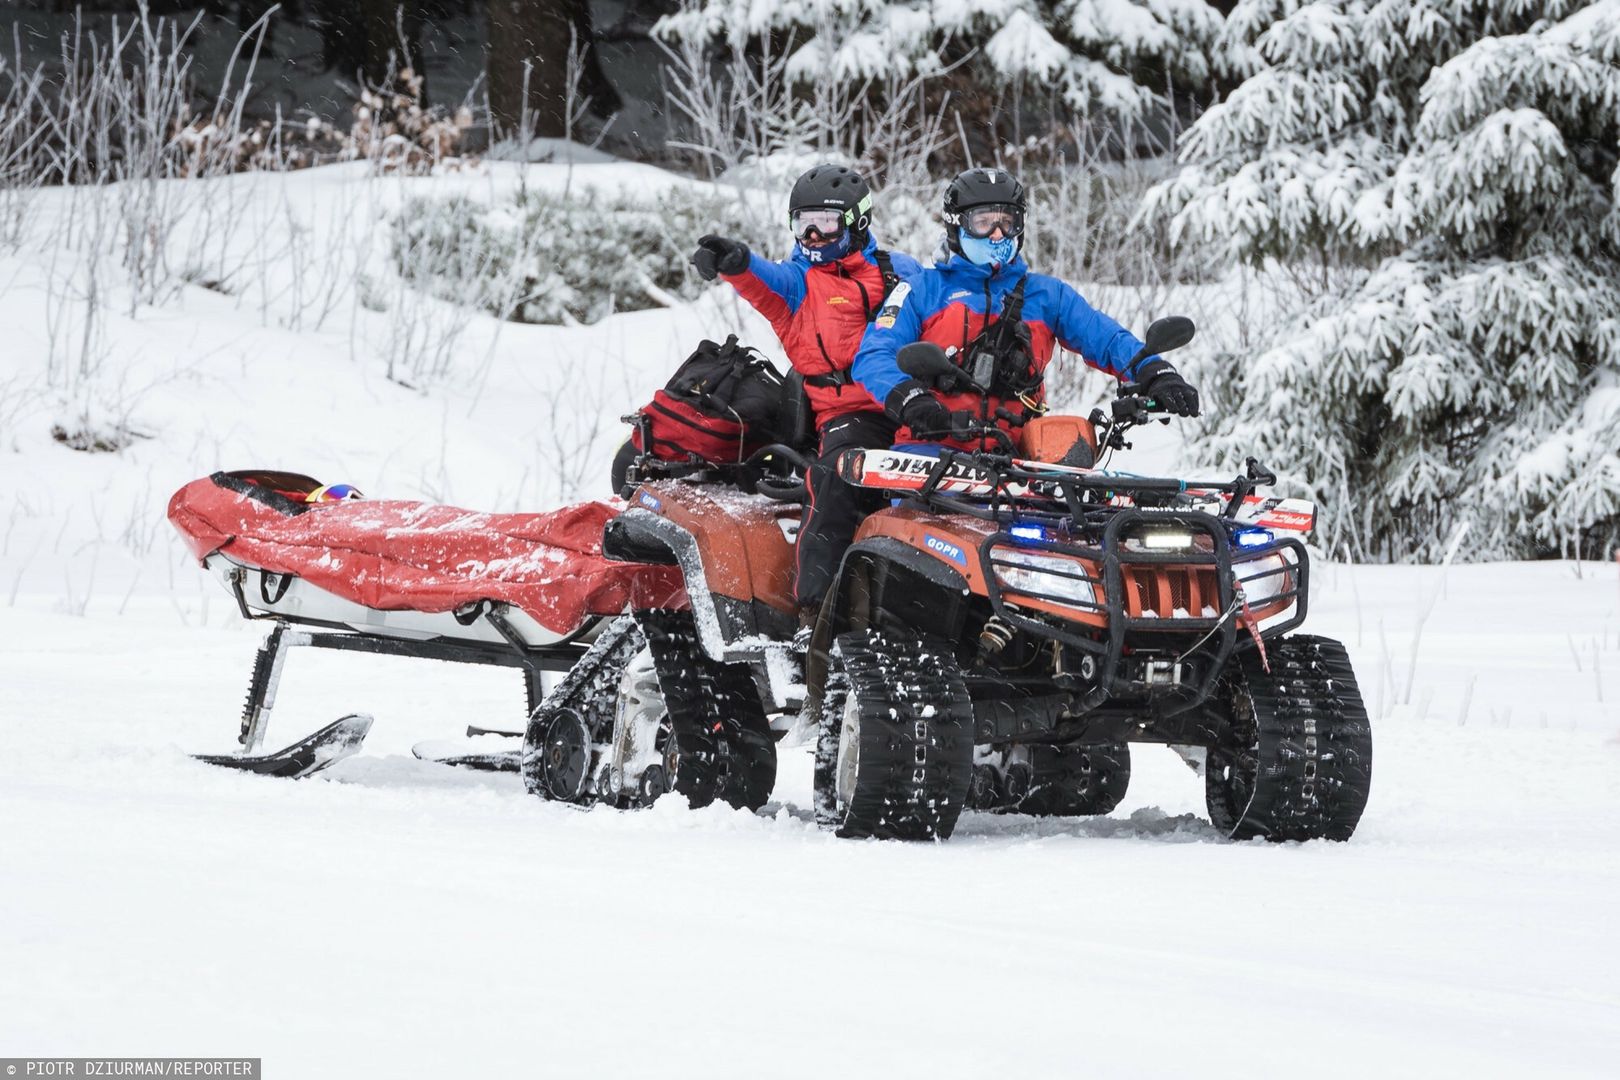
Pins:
x: 413, y: 556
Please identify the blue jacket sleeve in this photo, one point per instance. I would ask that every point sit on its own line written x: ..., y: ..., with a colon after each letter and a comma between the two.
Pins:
x: 904, y: 265
x: 875, y: 367
x: 1101, y: 341
x: 784, y: 279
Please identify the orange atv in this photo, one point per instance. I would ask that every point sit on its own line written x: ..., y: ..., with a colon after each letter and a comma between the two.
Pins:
x: 994, y: 641
x: 999, y: 637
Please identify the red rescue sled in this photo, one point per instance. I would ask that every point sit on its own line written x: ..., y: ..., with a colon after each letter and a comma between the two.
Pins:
x: 403, y: 578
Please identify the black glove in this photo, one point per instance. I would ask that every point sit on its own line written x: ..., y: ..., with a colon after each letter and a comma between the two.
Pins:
x: 914, y: 405
x: 718, y: 255
x: 1161, y: 382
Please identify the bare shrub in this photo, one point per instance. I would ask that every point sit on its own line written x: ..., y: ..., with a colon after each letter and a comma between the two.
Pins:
x: 397, y: 134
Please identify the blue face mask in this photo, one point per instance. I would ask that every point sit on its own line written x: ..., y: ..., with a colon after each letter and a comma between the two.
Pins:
x: 827, y: 252
x: 985, y: 252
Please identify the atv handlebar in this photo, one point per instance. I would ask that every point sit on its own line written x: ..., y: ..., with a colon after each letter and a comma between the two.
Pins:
x: 967, y: 426
x: 1133, y: 407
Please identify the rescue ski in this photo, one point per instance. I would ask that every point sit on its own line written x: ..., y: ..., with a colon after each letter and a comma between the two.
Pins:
x: 901, y: 470
x: 458, y: 754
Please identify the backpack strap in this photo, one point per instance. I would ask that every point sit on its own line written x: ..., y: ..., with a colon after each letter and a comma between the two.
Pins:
x: 1012, y: 309
x: 885, y: 267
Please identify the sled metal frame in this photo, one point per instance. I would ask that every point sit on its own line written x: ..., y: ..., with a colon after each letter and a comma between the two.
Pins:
x: 533, y: 661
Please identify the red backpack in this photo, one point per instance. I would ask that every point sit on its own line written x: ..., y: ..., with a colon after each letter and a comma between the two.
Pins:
x: 718, y: 408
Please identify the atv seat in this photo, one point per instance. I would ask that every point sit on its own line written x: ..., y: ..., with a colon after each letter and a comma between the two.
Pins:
x: 795, y: 419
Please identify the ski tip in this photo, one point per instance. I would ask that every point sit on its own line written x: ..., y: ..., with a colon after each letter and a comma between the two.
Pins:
x: 356, y: 724
x: 309, y: 755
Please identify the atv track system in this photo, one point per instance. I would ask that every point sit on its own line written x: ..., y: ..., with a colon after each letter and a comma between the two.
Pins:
x: 646, y: 711
x: 1297, y: 764
x: 894, y: 755
x: 1051, y: 781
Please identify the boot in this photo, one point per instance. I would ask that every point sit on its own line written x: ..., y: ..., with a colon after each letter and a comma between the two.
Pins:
x: 808, y: 613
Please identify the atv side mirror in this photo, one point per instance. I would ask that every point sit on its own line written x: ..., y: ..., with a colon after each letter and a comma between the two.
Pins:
x: 925, y: 361
x: 1170, y: 332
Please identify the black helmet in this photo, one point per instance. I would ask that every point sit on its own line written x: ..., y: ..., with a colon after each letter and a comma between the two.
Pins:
x: 980, y: 187
x: 834, y: 187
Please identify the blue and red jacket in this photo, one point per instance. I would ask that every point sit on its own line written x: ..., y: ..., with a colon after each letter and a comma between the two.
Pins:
x: 820, y: 312
x: 947, y: 304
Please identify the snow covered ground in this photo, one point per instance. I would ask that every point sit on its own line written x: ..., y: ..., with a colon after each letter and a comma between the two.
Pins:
x: 396, y: 918
x: 405, y: 919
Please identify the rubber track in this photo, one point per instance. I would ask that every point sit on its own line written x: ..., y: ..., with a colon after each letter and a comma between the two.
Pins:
x: 917, y: 733
x: 725, y: 744
x: 591, y: 688
x: 1077, y: 781
x: 1311, y: 746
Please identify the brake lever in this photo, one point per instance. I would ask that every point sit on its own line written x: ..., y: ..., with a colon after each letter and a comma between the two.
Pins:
x: 966, y: 426
x: 1013, y: 419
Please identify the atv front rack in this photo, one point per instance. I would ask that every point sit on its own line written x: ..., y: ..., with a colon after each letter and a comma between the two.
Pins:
x: 1059, y: 491
x: 1151, y: 592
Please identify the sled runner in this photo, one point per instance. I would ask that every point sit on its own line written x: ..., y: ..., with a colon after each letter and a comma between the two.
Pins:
x: 309, y: 755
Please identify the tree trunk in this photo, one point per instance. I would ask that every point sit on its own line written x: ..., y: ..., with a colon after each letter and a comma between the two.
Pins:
x: 539, y: 32
x: 357, y: 37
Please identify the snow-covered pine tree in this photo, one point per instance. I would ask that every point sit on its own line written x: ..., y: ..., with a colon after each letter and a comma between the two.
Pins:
x: 1458, y: 161
x: 1111, y: 59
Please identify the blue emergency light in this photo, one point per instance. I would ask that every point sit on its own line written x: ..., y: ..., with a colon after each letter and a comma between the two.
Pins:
x: 1253, y: 537
x: 1029, y: 533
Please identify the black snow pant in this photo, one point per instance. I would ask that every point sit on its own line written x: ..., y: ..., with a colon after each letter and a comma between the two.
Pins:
x: 836, y: 509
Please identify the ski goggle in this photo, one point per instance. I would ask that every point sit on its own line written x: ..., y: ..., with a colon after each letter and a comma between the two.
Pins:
x: 981, y: 221
x: 333, y: 493
x: 826, y: 224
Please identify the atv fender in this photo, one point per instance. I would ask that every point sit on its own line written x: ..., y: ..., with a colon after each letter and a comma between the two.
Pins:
x: 852, y: 603
x: 730, y: 628
x: 892, y: 550
x: 639, y: 535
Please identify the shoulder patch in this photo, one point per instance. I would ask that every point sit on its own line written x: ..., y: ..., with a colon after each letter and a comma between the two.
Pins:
x: 891, y: 307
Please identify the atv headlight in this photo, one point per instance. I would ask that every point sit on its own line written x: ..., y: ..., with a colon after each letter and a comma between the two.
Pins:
x: 1046, y: 577
x: 1263, y: 578
x: 1164, y: 537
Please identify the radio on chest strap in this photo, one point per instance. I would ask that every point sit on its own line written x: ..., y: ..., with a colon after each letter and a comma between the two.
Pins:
x: 990, y: 358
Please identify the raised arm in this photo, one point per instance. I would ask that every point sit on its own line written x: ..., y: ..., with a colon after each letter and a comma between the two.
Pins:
x: 1100, y: 341
x: 776, y: 289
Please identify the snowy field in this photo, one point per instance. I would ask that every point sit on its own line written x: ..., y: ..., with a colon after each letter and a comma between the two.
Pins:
x: 395, y: 918
x: 405, y: 919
